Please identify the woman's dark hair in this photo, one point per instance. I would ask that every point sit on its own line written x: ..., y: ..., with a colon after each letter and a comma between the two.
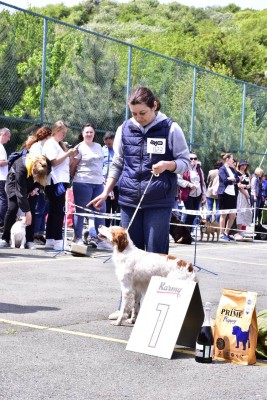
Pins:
x: 80, y: 137
x: 144, y: 95
x: 218, y: 164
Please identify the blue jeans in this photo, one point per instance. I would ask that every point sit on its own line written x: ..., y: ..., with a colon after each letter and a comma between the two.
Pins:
x: 40, y: 213
x: 210, y: 203
x: 83, y: 193
x: 150, y: 228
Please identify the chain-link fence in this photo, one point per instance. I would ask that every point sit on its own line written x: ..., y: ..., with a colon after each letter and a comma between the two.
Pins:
x: 50, y: 70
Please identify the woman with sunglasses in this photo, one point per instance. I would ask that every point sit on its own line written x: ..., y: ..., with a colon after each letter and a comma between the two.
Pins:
x: 192, y: 188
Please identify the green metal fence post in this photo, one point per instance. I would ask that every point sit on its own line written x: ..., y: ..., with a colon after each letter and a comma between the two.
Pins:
x: 192, y: 126
x: 243, y: 119
x: 128, y: 87
x: 43, y: 72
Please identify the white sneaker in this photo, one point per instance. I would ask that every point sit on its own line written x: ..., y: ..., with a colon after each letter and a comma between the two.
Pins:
x: 58, y: 245
x: 79, y: 242
x: 49, y: 243
x: 30, y: 246
x: 238, y: 237
x: 3, y: 244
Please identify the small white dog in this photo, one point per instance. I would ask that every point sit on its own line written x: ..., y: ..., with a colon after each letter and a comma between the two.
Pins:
x: 18, y: 233
x: 135, y: 267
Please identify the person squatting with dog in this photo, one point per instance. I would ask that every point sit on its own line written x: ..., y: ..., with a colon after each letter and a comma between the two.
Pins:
x: 35, y: 145
x: 26, y: 176
x: 149, y: 142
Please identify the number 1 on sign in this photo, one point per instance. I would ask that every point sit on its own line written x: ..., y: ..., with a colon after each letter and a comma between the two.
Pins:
x: 162, y: 313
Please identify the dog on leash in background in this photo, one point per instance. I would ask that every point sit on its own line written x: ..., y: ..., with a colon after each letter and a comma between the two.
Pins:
x: 179, y: 232
x: 18, y: 233
x: 210, y: 228
x: 135, y: 267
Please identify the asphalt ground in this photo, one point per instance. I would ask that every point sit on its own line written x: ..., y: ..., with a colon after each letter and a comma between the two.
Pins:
x: 57, y: 343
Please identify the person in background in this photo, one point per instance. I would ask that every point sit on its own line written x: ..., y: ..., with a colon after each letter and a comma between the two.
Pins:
x: 192, y: 184
x: 150, y: 149
x: 243, y: 218
x: 87, y: 183
x: 256, y: 193
x: 264, y: 196
x: 227, y: 194
x: 24, y: 179
x: 212, y: 198
x: 35, y: 145
x: 57, y: 182
x: 5, y: 136
x: 264, y: 188
x: 112, y: 205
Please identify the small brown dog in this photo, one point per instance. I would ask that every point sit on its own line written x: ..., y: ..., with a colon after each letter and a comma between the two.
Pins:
x: 210, y: 228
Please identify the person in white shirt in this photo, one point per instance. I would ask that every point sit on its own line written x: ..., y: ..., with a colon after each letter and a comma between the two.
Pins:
x: 86, y: 170
x: 57, y: 182
x: 5, y: 136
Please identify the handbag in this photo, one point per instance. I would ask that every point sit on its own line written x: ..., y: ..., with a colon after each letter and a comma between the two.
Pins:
x: 184, y: 193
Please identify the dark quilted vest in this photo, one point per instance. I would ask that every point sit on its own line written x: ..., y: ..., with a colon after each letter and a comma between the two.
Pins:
x: 138, y: 165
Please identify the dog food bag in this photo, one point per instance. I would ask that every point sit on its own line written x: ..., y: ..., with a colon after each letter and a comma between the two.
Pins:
x: 236, y: 330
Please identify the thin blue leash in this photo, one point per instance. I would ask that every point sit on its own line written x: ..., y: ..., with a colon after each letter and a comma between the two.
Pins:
x: 195, y: 254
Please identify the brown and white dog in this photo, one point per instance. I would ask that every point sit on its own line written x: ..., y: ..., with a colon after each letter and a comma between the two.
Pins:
x: 18, y: 233
x: 210, y: 228
x: 134, y: 269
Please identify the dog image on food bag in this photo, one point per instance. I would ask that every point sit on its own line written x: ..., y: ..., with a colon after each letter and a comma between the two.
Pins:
x: 18, y: 233
x: 236, y: 330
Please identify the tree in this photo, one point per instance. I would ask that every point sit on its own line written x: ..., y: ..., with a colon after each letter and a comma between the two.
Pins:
x: 93, y: 94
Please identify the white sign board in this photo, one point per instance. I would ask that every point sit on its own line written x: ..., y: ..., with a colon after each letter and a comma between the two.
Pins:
x: 171, y: 313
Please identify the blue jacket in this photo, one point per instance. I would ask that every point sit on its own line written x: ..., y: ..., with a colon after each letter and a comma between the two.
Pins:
x: 137, y: 168
x: 224, y: 182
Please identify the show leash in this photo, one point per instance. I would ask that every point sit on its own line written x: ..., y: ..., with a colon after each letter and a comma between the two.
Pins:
x: 137, y: 208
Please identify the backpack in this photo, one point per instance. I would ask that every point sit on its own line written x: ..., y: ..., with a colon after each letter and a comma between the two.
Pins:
x: 15, y: 155
x: 215, y: 185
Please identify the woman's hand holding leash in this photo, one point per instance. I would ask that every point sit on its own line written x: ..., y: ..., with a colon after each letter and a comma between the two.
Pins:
x: 162, y: 166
